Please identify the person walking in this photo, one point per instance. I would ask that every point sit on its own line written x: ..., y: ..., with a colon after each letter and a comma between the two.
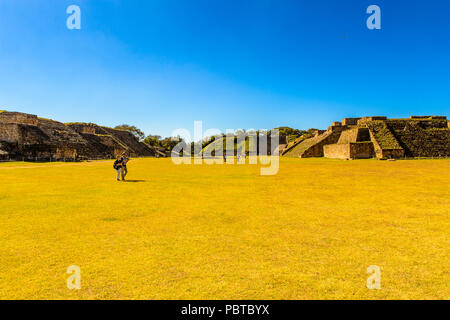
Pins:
x: 125, y: 159
x: 118, y: 166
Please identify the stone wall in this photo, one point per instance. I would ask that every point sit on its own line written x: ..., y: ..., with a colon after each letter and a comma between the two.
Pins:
x: 367, y: 119
x: 361, y: 150
x: 419, y: 136
x: 347, y: 136
x: 429, y: 117
x: 337, y: 151
x: 400, y: 124
x: 419, y: 142
x: 65, y: 153
x: 128, y: 140
x: 350, y: 121
x: 22, y: 134
x: 101, y: 147
x: 292, y: 149
x: 83, y: 127
x: 9, y: 132
x: 18, y: 118
x: 27, y: 137
x: 351, y: 150
x: 363, y: 135
x: 390, y: 153
x: 384, y: 137
x: 124, y: 140
x: 314, y: 147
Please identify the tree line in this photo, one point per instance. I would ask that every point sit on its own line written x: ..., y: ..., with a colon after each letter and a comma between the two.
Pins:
x: 169, y: 143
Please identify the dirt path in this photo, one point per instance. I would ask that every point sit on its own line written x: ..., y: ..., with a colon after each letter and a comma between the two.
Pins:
x: 48, y: 164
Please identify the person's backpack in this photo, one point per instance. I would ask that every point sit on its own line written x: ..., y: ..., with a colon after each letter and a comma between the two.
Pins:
x: 117, y: 164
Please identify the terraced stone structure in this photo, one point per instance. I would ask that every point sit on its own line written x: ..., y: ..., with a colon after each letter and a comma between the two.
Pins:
x: 28, y: 137
x: 368, y: 137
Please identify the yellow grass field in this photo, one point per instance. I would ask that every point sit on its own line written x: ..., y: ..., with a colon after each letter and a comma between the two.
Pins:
x: 225, y: 231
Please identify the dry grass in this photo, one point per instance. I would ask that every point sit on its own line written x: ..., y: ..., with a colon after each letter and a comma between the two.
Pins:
x: 225, y: 232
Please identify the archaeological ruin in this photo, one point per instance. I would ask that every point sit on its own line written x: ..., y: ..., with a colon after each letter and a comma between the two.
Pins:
x: 369, y: 137
x: 28, y: 137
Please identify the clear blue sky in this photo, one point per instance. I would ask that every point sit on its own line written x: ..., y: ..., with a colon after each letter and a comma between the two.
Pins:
x: 161, y: 64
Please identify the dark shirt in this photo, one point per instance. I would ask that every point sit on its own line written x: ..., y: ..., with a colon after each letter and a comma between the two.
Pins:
x: 124, y: 161
x: 118, y: 164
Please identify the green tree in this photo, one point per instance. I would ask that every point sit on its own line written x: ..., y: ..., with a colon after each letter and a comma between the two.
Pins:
x: 286, y: 131
x: 170, y: 142
x: 152, y: 140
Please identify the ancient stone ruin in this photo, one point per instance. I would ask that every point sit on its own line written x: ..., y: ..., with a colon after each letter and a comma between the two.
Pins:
x: 28, y: 137
x: 368, y: 137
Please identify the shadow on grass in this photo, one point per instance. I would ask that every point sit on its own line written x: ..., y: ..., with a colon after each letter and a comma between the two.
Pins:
x: 134, y: 180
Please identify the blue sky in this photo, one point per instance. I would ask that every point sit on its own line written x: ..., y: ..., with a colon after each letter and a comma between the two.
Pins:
x: 162, y: 64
